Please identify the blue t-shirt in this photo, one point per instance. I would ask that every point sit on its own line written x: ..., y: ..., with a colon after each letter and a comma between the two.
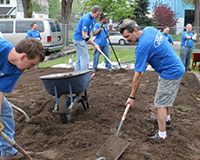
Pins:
x: 153, y: 48
x: 169, y: 38
x: 9, y: 73
x: 186, y: 42
x: 86, y: 23
x: 32, y: 33
x: 100, y: 38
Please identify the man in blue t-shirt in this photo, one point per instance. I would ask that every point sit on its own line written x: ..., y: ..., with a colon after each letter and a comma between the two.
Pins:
x: 33, y: 32
x: 167, y: 35
x: 154, y: 49
x: 101, y: 33
x: 82, y: 36
x: 186, y: 46
x: 13, y: 61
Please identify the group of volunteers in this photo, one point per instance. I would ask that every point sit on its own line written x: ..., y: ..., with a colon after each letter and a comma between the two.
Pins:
x: 152, y: 49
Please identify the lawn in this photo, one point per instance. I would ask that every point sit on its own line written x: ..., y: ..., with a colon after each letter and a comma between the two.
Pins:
x: 125, y: 53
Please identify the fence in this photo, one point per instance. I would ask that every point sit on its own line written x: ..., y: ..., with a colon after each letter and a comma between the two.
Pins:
x: 176, y: 32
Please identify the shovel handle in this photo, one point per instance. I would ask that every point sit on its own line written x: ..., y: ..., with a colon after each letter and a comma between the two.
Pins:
x: 14, y: 144
x: 123, y: 119
x: 112, y: 47
x: 105, y: 56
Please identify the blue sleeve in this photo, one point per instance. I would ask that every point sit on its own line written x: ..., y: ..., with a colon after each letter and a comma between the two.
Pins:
x: 96, y: 27
x: 183, y: 36
x: 141, y: 54
x: 171, y: 39
x: 85, y: 26
x: 28, y: 34
x: 8, y: 82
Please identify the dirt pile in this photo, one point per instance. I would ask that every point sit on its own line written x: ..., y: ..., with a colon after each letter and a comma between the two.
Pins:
x: 107, y: 94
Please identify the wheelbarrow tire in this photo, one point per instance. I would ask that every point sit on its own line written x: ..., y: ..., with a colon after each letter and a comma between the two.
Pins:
x: 63, y: 117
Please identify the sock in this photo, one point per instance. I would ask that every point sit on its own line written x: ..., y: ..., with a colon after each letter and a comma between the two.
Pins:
x: 168, y: 117
x: 162, y: 134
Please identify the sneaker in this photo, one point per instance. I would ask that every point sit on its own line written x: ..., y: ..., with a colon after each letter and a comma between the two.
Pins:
x: 154, y: 120
x: 17, y: 156
x: 156, y: 136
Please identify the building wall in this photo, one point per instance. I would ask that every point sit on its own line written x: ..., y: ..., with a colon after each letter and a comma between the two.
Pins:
x: 12, y: 4
x: 178, y: 7
x: 19, y: 12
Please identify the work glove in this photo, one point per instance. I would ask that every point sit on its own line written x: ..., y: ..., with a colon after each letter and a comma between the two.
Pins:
x: 102, y: 26
x: 194, y: 37
x: 1, y: 125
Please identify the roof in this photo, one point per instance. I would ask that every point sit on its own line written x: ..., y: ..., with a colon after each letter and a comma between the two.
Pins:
x: 6, y: 10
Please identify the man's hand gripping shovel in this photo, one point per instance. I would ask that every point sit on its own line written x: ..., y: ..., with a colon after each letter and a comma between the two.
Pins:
x: 13, y: 143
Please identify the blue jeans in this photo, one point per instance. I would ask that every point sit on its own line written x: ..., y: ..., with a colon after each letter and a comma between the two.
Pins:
x: 9, y: 128
x: 105, y: 50
x: 185, y: 55
x: 82, y: 59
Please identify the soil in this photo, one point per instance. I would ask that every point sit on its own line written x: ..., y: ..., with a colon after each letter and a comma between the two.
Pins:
x: 81, y: 138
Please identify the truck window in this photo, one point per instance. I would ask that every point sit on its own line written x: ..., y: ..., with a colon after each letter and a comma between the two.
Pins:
x: 58, y: 29
x: 52, y: 26
x: 24, y: 26
x: 6, y: 27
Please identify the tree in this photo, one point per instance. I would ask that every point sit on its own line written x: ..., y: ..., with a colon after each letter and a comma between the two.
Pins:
x: 195, y: 3
x: 27, y: 6
x: 54, y: 8
x: 65, y: 17
x: 141, y: 11
x: 164, y: 15
x: 115, y: 9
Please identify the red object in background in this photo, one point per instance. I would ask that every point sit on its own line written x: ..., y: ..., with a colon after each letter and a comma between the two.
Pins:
x: 195, y: 59
x: 48, y: 38
x: 110, y: 27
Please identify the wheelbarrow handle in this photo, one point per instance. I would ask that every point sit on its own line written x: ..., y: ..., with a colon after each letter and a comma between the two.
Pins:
x: 14, y: 144
x: 123, y: 119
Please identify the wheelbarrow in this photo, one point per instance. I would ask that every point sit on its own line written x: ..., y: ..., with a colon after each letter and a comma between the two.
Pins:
x: 69, y: 89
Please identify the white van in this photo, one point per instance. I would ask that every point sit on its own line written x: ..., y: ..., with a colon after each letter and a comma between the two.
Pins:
x: 15, y: 30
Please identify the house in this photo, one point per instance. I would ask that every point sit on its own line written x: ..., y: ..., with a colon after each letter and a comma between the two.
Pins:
x: 184, y: 13
x: 14, y: 9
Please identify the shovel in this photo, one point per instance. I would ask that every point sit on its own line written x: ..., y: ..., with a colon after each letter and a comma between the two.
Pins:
x: 114, y: 145
x: 14, y: 144
x: 106, y: 58
x: 112, y: 48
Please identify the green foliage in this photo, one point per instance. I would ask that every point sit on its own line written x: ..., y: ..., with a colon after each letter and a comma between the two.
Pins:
x: 141, y: 11
x: 76, y: 11
x: 37, y: 7
x: 115, y: 9
x: 54, y: 9
x: 188, y: 2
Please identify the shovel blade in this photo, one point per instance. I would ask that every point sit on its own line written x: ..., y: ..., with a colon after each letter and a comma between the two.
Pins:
x: 112, y: 148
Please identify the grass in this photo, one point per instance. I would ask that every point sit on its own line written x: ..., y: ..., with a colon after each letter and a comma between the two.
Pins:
x: 123, y: 54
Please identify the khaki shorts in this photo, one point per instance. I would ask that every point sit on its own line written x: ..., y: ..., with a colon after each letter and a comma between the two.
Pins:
x: 166, y: 92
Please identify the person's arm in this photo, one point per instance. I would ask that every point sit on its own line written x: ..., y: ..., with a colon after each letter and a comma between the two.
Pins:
x: 1, y: 101
x: 89, y: 40
x: 135, y: 85
x: 28, y: 34
x: 171, y: 40
x: 98, y: 30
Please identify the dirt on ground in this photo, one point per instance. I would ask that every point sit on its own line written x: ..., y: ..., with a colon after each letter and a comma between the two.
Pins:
x: 81, y: 138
